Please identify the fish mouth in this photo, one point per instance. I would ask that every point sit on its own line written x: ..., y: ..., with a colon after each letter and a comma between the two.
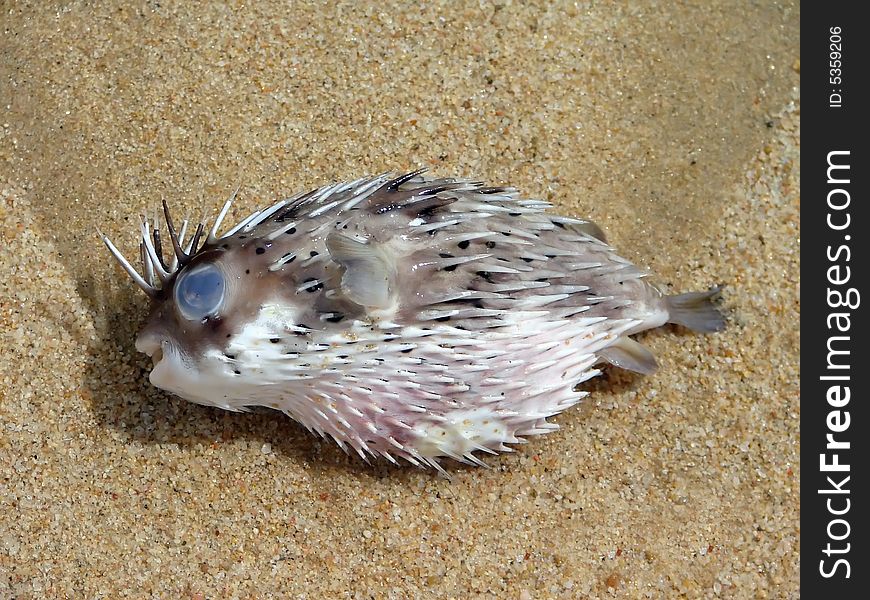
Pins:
x: 166, y: 366
x: 153, y: 347
x: 156, y: 357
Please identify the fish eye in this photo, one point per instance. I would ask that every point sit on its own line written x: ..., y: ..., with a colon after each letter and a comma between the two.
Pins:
x: 199, y: 292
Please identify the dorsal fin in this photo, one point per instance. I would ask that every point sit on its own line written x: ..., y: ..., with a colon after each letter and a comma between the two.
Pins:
x: 369, y: 274
x: 589, y: 228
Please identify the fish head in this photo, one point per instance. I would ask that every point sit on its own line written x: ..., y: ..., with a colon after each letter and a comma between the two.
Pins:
x: 193, y: 318
x: 226, y: 326
x: 215, y: 305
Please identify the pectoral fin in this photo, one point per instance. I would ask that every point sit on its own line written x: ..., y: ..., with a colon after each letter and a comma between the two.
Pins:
x: 625, y: 353
x: 368, y: 275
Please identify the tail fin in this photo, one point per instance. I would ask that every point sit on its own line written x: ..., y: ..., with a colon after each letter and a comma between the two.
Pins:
x: 696, y: 311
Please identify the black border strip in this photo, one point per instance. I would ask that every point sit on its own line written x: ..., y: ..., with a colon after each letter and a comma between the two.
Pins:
x: 834, y: 265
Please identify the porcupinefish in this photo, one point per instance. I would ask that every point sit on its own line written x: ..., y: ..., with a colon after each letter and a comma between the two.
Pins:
x: 404, y: 317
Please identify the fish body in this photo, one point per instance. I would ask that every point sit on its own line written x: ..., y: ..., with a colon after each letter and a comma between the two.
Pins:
x: 407, y: 317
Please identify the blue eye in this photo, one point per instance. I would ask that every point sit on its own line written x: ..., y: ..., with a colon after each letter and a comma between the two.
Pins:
x: 199, y: 292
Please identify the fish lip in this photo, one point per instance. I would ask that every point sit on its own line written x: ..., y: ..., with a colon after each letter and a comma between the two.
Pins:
x: 153, y: 347
x: 157, y: 356
x: 164, y: 361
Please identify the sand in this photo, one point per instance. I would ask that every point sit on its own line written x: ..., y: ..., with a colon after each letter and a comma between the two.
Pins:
x: 676, y: 127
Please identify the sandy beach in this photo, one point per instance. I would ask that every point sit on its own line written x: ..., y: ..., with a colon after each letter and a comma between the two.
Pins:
x: 676, y: 127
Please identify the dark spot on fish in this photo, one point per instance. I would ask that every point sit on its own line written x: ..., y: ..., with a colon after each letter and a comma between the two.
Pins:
x: 289, y: 260
x: 335, y: 318
x: 260, y: 250
x: 427, y: 211
x: 291, y: 231
x: 558, y: 224
x: 506, y: 233
x: 314, y: 288
x: 342, y: 356
x: 225, y: 246
x: 515, y: 214
x: 274, y: 340
x: 241, y: 237
x: 490, y: 244
x: 550, y: 255
x: 502, y: 259
x: 230, y: 356
x: 432, y: 232
x: 445, y: 255
x: 314, y: 253
x: 406, y: 350
x: 527, y: 259
x: 303, y: 326
x: 486, y: 275
x: 247, y: 271
x: 237, y: 372
x: 443, y: 319
x: 477, y: 304
x: 463, y: 244
x: 542, y: 279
